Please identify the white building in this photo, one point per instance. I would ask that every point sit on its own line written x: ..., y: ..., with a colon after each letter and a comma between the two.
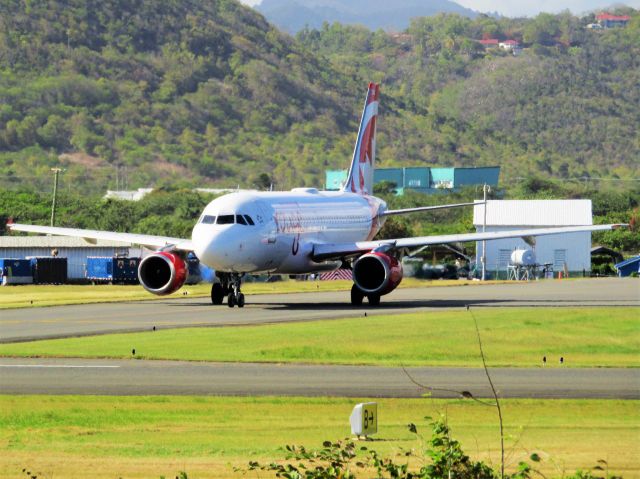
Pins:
x: 510, y: 46
x: 128, y: 195
x: 571, y: 250
x: 76, y: 250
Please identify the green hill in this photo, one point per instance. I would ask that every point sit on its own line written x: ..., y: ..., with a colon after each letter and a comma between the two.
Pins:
x: 198, y: 92
x: 136, y: 93
x: 567, y: 106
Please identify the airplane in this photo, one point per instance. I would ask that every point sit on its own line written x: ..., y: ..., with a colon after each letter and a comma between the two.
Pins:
x: 295, y: 232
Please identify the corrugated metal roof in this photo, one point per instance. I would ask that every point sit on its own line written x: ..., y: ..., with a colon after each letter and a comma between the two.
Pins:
x: 54, y: 242
x: 534, y: 213
x: 626, y: 262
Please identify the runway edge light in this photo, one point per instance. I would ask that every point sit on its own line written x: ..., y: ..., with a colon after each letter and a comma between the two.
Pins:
x: 364, y: 419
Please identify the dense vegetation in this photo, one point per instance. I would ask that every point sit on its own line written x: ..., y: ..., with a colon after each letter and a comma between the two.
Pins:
x: 147, y: 93
x: 173, y: 212
x: 568, y: 106
x: 191, y: 91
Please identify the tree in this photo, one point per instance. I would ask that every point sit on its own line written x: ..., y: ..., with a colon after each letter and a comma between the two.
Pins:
x: 544, y: 30
x: 54, y: 133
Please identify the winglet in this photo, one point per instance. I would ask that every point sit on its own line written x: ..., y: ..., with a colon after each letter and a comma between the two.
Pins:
x: 619, y: 226
x: 360, y: 178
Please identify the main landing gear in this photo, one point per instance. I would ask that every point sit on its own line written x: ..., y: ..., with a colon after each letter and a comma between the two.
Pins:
x: 228, y: 286
x: 357, y: 296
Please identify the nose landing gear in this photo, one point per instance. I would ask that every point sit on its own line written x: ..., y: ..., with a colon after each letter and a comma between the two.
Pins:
x: 228, y: 286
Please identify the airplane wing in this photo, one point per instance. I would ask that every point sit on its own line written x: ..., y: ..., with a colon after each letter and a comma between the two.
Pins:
x: 427, y: 208
x: 328, y: 251
x: 149, y: 241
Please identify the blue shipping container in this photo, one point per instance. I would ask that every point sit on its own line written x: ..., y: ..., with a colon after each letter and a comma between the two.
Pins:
x: 15, y: 271
x: 112, y: 270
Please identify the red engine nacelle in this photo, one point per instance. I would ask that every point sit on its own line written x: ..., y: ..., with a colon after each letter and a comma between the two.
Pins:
x: 162, y: 273
x: 377, y: 273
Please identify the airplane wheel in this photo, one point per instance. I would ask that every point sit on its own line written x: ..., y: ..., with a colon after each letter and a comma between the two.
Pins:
x: 374, y: 299
x: 231, y: 300
x: 356, y: 296
x: 217, y: 293
x: 240, y: 300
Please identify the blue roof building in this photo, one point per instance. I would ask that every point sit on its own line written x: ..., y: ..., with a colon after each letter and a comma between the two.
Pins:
x: 628, y: 267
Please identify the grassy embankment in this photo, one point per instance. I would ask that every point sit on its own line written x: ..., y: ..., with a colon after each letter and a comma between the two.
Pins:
x: 29, y: 296
x: 585, y: 337
x: 136, y: 437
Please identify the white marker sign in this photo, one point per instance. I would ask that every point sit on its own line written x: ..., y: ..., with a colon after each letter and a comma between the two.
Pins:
x: 364, y: 419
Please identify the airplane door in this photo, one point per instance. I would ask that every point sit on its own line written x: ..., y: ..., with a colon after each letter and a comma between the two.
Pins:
x: 266, y: 220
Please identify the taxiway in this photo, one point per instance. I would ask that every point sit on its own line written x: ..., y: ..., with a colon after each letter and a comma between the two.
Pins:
x: 92, y: 319
x: 139, y: 377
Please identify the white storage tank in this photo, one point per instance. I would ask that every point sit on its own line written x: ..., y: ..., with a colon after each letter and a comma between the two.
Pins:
x: 523, y: 257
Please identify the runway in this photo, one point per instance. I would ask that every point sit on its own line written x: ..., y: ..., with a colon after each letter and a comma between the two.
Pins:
x: 81, y: 320
x: 137, y: 377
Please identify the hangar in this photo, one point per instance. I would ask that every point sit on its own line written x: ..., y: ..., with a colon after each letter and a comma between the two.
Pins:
x: 570, y: 251
x: 76, y: 250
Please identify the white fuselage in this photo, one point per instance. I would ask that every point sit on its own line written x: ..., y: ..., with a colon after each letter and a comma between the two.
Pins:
x: 285, y: 227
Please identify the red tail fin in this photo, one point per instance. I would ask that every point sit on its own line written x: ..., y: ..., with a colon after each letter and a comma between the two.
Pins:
x: 360, y: 178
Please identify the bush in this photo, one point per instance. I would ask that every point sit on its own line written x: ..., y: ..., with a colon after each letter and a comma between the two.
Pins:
x: 343, y: 459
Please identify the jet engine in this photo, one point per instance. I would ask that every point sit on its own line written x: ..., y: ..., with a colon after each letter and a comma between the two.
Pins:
x: 377, y: 273
x: 162, y: 273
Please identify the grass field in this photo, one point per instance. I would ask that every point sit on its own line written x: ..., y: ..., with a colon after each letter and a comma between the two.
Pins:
x: 585, y: 337
x: 30, y: 296
x: 135, y: 437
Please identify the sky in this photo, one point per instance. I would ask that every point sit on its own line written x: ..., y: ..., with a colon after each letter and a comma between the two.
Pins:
x: 529, y: 8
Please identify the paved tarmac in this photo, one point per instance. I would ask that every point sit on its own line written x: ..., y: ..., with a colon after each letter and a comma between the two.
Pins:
x: 138, y: 377
x: 92, y: 319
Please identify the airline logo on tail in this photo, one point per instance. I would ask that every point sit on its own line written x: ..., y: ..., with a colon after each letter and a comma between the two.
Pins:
x: 360, y: 179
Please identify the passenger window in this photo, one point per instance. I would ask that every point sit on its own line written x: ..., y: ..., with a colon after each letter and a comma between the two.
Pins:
x: 240, y: 220
x: 249, y: 220
x: 226, y: 220
x: 208, y: 219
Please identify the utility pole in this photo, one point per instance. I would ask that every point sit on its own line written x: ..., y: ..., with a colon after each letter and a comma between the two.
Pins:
x: 56, y: 172
x: 485, y: 188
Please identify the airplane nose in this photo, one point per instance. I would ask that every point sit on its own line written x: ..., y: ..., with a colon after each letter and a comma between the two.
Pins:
x: 217, y: 248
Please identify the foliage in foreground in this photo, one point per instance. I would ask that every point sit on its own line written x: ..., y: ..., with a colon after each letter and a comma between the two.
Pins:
x: 445, y: 460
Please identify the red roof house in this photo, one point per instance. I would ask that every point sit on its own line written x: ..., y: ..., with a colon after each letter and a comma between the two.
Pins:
x: 609, y: 21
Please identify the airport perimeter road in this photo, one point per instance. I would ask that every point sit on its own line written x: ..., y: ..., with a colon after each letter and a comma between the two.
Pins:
x: 137, y: 377
x: 64, y: 321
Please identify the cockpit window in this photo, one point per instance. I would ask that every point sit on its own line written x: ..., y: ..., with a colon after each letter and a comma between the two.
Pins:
x: 226, y: 220
x: 208, y: 219
x: 249, y: 220
x: 240, y: 220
